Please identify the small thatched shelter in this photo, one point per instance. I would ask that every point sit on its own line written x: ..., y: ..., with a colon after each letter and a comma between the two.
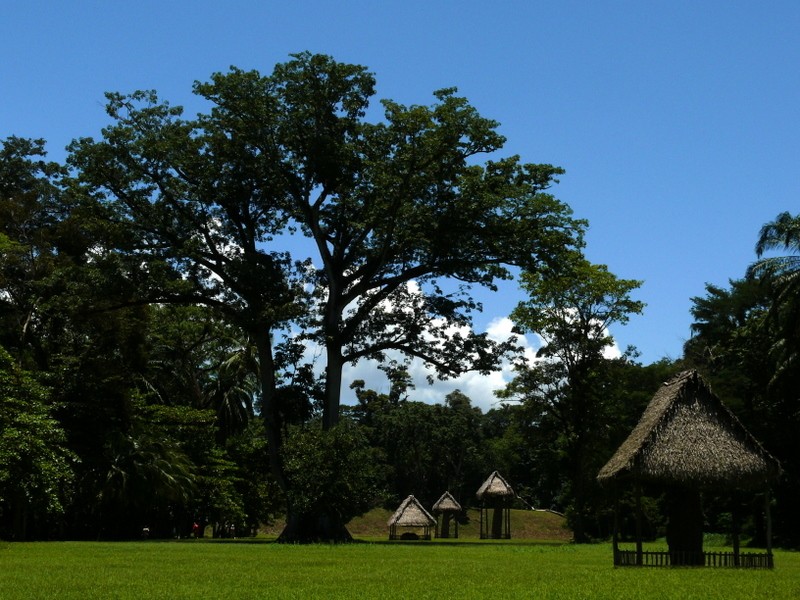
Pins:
x: 448, y: 509
x: 688, y: 441
x: 495, y: 495
x: 413, y: 517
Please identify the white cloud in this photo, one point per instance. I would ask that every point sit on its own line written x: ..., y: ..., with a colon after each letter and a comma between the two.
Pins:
x: 612, y: 351
x: 479, y: 388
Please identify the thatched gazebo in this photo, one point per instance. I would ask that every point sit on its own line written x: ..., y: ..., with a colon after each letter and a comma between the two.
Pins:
x: 413, y: 517
x: 495, y: 495
x: 687, y: 441
x: 448, y: 509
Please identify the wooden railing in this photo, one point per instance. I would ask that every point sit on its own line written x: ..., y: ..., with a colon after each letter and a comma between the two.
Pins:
x: 746, y: 560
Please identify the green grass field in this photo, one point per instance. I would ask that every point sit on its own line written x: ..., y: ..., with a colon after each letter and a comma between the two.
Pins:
x: 538, y: 563
x: 372, y: 569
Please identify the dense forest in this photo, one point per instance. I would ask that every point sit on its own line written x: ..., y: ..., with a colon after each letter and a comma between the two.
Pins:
x: 170, y: 354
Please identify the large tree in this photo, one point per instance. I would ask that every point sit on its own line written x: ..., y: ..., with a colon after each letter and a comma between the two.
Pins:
x: 566, y: 391
x: 404, y: 219
x: 391, y: 208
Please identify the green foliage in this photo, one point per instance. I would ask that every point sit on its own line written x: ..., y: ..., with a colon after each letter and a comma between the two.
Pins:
x: 262, y: 499
x: 568, y: 395
x: 428, y: 448
x: 35, y: 466
x: 143, y: 474
x: 32, y: 244
x: 218, y: 500
x: 740, y: 337
x: 332, y: 473
x: 746, y: 338
x: 385, y: 203
x: 198, y: 360
x: 571, y: 309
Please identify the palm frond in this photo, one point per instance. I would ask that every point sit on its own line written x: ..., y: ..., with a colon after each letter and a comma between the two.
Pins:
x: 782, y: 233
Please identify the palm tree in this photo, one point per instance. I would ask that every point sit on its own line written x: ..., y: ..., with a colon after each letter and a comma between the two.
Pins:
x: 782, y: 274
x: 145, y: 474
x: 781, y: 234
x: 232, y: 391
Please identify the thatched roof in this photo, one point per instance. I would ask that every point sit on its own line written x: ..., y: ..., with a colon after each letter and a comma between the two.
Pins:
x: 687, y: 436
x: 446, y: 504
x: 411, y: 514
x: 495, y: 486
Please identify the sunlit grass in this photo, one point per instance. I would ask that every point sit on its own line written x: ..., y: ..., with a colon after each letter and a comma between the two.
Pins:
x: 379, y: 569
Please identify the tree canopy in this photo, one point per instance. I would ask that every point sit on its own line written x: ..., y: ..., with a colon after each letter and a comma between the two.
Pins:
x: 403, y: 218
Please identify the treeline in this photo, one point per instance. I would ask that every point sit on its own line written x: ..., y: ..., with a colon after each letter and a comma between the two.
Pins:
x: 148, y: 417
x: 119, y: 415
x: 160, y: 325
x: 129, y: 403
x: 746, y: 339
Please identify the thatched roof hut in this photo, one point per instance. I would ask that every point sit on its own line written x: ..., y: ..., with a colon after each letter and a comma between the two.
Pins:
x: 446, y: 508
x: 411, y: 514
x: 687, y: 436
x: 496, y: 497
x: 446, y: 504
x: 495, y: 487
x: 687, y: 441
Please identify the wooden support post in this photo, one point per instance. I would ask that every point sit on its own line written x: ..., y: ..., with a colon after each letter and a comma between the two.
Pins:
x: 735, y: 524
x: 769, y: 529
x: 615, y: 532
x: 639, y: 524
x: 498, y: 517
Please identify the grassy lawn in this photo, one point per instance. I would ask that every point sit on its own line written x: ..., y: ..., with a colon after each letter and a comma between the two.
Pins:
x: 463, y: 568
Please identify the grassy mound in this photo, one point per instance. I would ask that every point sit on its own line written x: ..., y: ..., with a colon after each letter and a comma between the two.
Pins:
x: 536, y: 525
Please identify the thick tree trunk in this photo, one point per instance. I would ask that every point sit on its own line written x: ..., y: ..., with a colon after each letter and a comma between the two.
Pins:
x: 578, y: 525
x: 579, y: 502
x: 333, y: 384
x: 269, y: 411
x: 299, y: 528
x: 20, y: 519
x: 304, y: 528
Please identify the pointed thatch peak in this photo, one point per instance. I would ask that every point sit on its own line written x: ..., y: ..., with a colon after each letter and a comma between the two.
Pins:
x: 687, y: 436
x: 495, y: 486
x: 446, y: 504
x: 411, y: 514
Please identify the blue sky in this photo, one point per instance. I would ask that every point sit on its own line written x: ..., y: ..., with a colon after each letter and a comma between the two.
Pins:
x: 676, y: 121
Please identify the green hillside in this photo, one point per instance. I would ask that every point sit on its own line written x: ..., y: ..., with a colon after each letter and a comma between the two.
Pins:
x: 525, y: 524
